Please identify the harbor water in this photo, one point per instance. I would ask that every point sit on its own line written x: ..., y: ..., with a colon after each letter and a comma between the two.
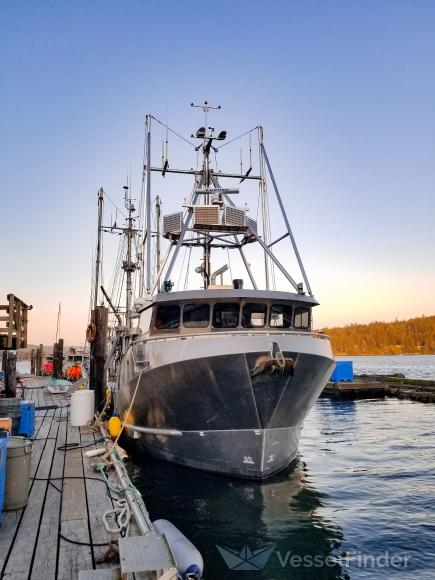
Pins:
x: 359, y: 502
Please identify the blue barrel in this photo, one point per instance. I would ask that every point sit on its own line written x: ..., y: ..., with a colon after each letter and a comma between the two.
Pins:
x: 3, y: 455
x: 27, y: 421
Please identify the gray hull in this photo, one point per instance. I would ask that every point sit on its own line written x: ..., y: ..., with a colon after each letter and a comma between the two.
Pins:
x: 231, y: 422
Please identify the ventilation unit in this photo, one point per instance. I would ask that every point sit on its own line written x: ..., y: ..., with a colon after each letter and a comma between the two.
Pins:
x: 252, y: 224
x: 206, y: 216
x: 235, y: 217
x: 172, y: 223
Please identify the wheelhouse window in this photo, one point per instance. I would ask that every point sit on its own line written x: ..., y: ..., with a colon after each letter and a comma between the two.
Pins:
x: 254, y: 315
x: 196, y: 315
x: 281, y: 316
x: 167, y: 317
x: 226, y: 315
x: 302, y: 318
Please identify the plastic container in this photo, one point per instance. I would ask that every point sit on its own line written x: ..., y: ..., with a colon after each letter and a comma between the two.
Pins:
x: 6, y: 424
x: 343, y: 372
x: 82, y: 407
x: 3, y: 454
x: 19, y: 454
x: 27, y: 420
x: 11, y: 407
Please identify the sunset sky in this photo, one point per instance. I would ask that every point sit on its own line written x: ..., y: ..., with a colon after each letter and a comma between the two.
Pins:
x: 345, y: 92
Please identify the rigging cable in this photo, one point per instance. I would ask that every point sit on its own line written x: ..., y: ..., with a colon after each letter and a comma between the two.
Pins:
x: 186, y: 280
x: 181, y: 269
x: 239, y: 137
x: 229, y: 263
x: 172, y: 131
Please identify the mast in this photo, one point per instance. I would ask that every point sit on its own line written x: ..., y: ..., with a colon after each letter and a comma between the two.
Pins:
x: 215, y: 221
x: 128, y: 265
x: 206, y: 169
x: 263, y: 197
x: 206, y: 148
x: 158, y: 240
x: 99, y: 232
x: 148, y: 204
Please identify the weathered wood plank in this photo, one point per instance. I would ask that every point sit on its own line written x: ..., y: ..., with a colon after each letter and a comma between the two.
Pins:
x: 74, y: 519
x: 45, y: 554
x: 99, y: 500
x: 73, y: 558
x: 21, y: 556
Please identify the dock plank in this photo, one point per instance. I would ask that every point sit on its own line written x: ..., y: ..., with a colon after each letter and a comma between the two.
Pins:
x: 45, y: 551
x: 12, y: 520
x: 21, y: 556
x: 99, y: 501
x: 74, y: 517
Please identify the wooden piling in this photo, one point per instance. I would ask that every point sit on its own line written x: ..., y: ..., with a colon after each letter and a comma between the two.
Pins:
x: 97, y: 374
x: 58, y: 359
x: 10, y: 369
x: 32, y: 361
x: 39, y: 359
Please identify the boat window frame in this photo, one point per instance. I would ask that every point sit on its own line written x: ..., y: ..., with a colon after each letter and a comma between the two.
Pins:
x: 281, y: 305
x: 266, y: 308
x: 307, y: 310
x: 209, y: 320
x: 167, y: 305
x: 238, y: 302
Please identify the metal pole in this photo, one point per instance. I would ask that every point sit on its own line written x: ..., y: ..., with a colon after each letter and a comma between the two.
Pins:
x: 115, y: 312
x: 247, y: 266
x: 179, y: 244
x: 98, y: 260
x: 136, y: 505
x: 275, y: 259
x: 148, y: 205
x: 263, y: 194
x: 290, y: 233
x: 242, y: 253
x: 129, y: 268
x: 158, y: 240
x: 159, y: 273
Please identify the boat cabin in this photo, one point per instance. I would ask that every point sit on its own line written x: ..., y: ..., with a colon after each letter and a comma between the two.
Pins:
x: 206, y: 311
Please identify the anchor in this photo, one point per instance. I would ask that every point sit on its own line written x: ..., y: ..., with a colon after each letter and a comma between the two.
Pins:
x: 275, y: 362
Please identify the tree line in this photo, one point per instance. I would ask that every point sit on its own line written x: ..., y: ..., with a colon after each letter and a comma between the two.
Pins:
x: 413, y: 336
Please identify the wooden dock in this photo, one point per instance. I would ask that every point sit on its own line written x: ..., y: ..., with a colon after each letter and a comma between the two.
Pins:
x: 383, y: 386
x: 60, y: 532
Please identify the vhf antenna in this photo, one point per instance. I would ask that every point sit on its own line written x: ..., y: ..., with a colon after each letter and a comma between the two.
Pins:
x: 206, y: 108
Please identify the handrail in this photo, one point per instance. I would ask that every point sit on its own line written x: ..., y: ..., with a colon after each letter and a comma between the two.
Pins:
x: 316, y: 335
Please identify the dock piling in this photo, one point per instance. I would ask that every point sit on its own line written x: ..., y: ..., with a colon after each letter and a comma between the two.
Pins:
x: 10, y: 369
x: 97, y: 381
x: 57, y: 359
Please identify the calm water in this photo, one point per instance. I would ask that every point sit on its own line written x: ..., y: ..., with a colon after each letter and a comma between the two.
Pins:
x: 364, y: 485
x: 419, y: 367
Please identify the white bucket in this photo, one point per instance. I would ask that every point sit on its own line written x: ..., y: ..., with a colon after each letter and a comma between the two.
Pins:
x: 82, y: 407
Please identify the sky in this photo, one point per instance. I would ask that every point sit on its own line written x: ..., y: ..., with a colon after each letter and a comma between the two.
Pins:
x: 345, y: 91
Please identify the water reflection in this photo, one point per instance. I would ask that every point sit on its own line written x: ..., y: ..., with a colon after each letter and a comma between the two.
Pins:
x: 214, y: 510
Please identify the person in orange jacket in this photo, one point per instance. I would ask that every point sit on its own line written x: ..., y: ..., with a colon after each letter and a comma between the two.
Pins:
x: 48, y: 368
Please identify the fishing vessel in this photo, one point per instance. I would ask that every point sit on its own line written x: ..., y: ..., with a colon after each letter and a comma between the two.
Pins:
x: 214, y: 376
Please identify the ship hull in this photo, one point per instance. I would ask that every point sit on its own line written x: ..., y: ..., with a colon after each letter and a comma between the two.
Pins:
x: 224, y: 418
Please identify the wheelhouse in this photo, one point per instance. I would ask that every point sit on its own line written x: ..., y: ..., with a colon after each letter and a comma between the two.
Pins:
x: 206, y: 312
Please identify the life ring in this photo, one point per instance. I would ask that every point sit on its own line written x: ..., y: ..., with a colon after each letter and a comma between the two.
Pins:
x: 91, y: 332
